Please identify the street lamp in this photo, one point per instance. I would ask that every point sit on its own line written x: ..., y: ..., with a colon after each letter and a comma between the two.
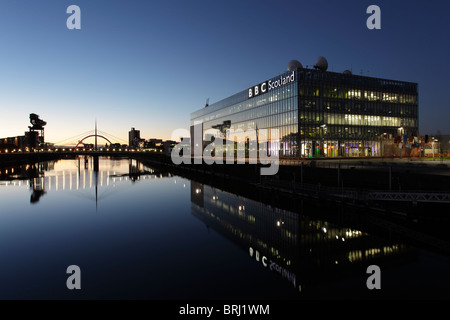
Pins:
x: 432, y: 145
x: 433, y: 140
x: 439, y: 148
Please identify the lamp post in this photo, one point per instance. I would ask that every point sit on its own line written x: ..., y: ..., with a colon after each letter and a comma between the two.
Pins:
x: 432, y: 145
x: 401, y: 144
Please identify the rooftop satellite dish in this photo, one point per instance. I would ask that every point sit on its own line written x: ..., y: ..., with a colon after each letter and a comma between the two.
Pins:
x: 294, y: 65
x: 347, y: 72
x: 321, y: 64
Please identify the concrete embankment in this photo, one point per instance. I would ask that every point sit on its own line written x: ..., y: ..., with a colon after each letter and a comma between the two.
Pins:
x: 26, y: 158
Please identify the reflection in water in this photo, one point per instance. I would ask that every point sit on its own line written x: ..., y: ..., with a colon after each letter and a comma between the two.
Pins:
x: 31, y: 173
x: 87, y: 173
x: 152, y: 239
x: 38, y: 190
x: 298, y: 248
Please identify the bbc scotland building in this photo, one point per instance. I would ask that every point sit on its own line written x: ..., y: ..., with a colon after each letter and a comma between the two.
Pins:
x: 319, y: 113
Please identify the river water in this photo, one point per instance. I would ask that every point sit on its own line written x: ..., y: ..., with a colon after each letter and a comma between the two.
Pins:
x: 139, y: 233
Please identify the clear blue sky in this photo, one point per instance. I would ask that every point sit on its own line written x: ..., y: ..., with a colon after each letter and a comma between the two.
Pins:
x: 149, y: 64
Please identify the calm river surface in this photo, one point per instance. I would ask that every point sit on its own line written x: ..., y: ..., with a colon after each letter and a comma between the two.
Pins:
x: 137, y: 233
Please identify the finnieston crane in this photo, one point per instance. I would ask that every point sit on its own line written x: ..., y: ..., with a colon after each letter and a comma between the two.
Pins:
x: 38, y: 124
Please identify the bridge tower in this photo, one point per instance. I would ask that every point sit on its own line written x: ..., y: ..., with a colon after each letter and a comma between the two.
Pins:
x: 96, y: 136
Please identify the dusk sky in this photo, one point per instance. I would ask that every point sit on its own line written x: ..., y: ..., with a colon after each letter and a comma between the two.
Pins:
x: 149, y: 64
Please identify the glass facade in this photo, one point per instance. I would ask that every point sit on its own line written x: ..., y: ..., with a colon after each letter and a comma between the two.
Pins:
x: 321, y: 114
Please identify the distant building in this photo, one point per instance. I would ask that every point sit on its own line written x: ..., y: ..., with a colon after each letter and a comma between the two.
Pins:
x: 440, y: 143
x: 134, y: 137
x: 152, y: 144
x: 88, y: 146
x: 155, y: 142
x: 168, y: 146
x: 445, y: 143
x: 11, y: 143
x: 32, y: 139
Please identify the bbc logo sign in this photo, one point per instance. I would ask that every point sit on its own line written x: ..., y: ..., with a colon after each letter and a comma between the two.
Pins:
x: 271, y: 85
x: 257, y: 90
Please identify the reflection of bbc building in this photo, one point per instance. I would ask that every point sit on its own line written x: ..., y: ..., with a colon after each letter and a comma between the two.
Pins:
x: 319, y: 113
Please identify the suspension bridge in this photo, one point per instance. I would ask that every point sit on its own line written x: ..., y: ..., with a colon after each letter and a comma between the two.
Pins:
x: 78, y: 142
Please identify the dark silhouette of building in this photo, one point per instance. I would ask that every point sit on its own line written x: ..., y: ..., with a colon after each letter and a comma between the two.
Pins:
x: 33, y: 139
x: 134, y: 137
